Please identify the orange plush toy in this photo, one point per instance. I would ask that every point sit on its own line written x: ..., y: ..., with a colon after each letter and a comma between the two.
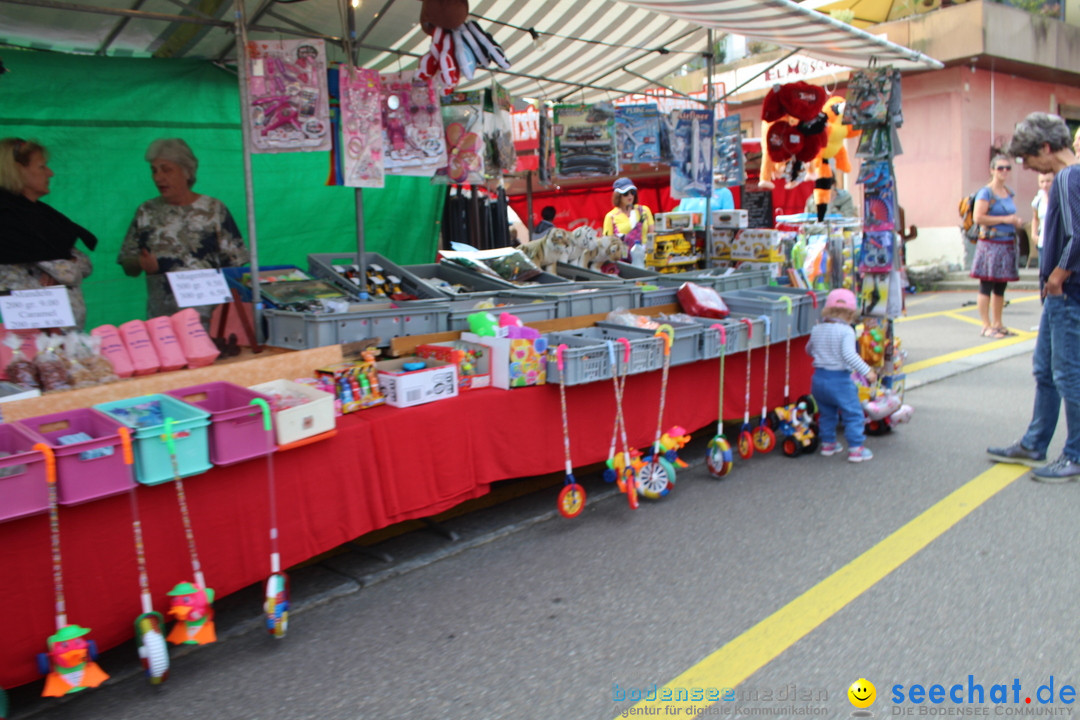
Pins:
x: 834, y: 150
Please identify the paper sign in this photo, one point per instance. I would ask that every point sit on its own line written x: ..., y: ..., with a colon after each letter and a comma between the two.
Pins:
x: 199, y: 287
x: 43, y: 308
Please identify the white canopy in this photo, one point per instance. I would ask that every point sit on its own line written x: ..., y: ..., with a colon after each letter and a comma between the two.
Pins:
x: 560, y: 49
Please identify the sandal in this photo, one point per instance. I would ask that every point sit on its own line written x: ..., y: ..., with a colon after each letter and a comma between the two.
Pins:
x: 996, y: 333
x: 1004, y: 332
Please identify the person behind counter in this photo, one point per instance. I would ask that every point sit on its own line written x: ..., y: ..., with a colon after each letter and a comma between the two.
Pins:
x: 37, y: 244
x: 627, y: 221
x: 180, y: 230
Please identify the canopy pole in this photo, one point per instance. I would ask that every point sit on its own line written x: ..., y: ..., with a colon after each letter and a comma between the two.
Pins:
x: 249, y: 189
x: 710, y: 68
x: 529, y: 204
x: 361, y: 258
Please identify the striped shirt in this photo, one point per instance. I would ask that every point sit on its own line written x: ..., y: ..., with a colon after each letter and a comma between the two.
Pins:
x: 832, y: 345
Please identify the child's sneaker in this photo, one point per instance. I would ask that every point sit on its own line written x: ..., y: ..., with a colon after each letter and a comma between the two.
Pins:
x: 830, y: 449
x: 859, y: 454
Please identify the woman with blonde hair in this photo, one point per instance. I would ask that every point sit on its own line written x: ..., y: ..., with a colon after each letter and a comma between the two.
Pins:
x: 37, y: 245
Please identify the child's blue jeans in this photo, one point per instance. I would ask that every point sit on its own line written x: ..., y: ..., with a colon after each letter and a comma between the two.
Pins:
x: 838, y: 399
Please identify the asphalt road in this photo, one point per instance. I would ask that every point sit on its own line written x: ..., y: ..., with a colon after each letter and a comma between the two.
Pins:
x: 778, y: 586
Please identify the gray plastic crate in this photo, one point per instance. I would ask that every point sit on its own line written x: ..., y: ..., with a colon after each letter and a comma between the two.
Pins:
x: 633, y: 272
x: 585, y: 298
x: 299, y: 331
x: 576, y: 273
x: 685, y: 347
x: 327, y: 265
x: 755, y: 303
x: 544, y: 278
x: 735, y: 337
x: 646, y: 353
x: 457, y: 275
x: 807, y: 303
x: 659, y: 295
x: 757, y: 337
x: 525, y: 309
x: 585, y: 360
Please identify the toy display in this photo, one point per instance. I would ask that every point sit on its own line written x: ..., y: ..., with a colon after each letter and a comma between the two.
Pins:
x: 288, y: 105
x: 719, y: 457
x: 150, y: 625
x: 585, y: 140
x: 360, y: 92
x: 69, y: 664
x: 637, y: 132
x: 656, y: 476
x: 692, y: 153
x: 414, y: 142
x: 621, y: 467
x: 192, y: 604
x: 571, y: 502
x: 354, y: 384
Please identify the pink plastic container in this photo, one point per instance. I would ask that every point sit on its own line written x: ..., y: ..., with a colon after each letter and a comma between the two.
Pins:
x: 89, y: 469
x: 139, y: 346
x: 114, y: 350
x: 197, y: 345
x: 23, y: 488
x: 165, y: 343
x: 236, y: 426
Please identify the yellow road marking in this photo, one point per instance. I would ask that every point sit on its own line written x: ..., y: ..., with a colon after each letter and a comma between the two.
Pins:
x: 938, y: 313
x: 742, y: 657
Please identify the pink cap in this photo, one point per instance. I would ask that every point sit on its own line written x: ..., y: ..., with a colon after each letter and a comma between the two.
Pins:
x: 840, y: 298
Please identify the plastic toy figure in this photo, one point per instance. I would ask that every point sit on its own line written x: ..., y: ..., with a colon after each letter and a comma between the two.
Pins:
x: 674, y: 440
x: 71, y: 659
x: 153, y: 652
x: 796, y: 428
x: 193, y: 608
x: 276, y: 604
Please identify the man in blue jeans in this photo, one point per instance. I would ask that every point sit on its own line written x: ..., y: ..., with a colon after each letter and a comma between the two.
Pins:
x: 1044, y: 144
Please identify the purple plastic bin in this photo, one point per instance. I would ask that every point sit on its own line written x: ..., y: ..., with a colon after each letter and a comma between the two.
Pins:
x: 85, y: 470
x: 236, y: 426
x: 23, y: 488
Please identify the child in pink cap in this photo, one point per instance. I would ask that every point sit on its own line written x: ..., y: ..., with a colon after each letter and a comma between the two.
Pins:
x: 832, y: 345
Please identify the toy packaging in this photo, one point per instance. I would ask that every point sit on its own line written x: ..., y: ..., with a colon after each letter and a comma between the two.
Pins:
x: 637, y: 129
x: 757, y: 245
x: 354, y: 384
x: 407, y: 381
x: 515, y: 361
x: 473, y: 361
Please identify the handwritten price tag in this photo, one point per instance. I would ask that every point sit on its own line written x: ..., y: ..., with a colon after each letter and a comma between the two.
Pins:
x: 43, y: 308
x: 199, y: 287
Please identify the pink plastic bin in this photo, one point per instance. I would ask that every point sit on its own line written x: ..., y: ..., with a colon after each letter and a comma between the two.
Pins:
x: 80, y: 480
x: 23, y: 489
x: 236, y: 426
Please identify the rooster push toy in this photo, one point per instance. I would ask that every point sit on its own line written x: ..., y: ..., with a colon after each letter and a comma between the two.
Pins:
x: 276, y: 590
x: 719, y: 457
x: 69, y: 664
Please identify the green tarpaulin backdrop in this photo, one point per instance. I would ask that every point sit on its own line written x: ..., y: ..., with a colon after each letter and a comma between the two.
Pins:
x: 97, y: 115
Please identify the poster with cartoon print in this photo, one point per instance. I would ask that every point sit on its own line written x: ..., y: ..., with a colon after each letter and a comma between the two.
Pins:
x: 361, y: 127
x: 288, y: 106
x: 414, y: 142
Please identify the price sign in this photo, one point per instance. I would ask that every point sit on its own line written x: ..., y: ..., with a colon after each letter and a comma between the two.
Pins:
x: 199, y: 287
x: 42, y: 308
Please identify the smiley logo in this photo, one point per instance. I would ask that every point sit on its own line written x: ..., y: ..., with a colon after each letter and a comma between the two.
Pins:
x: 862, y: 693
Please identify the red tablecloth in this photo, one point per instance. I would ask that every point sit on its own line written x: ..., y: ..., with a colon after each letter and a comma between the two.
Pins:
x: 385, y: 465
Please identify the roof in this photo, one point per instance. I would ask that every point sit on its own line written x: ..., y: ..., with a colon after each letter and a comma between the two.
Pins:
x: 560, y: 49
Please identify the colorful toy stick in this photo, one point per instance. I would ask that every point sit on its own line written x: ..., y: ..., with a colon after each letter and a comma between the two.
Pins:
x: 571, y: 502
x: 150, y: 625
x: 621, y: 466
x: 763, y: 436
x: 276, y: 589
x: 746, y: 442
x: 68, y: 665
x: 657, y: 476
x: 719, y: 458
x: 192, y: 603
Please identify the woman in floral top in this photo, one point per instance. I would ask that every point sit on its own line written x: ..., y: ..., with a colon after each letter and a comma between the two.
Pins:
x: 180, y: 230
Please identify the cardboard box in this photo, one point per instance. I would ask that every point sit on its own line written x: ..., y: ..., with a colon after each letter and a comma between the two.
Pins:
x: 405, y: 388
x: 473, y: 361
x: 734, y: 219
x: 293, y: 420
x: 515, y: 362
x: 757, y: 245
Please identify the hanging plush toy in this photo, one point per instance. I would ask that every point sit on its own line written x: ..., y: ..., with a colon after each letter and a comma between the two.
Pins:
x: 793, y: 128
x: 193, y: 608
x: 821, y: 168
x: 71, y: 659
